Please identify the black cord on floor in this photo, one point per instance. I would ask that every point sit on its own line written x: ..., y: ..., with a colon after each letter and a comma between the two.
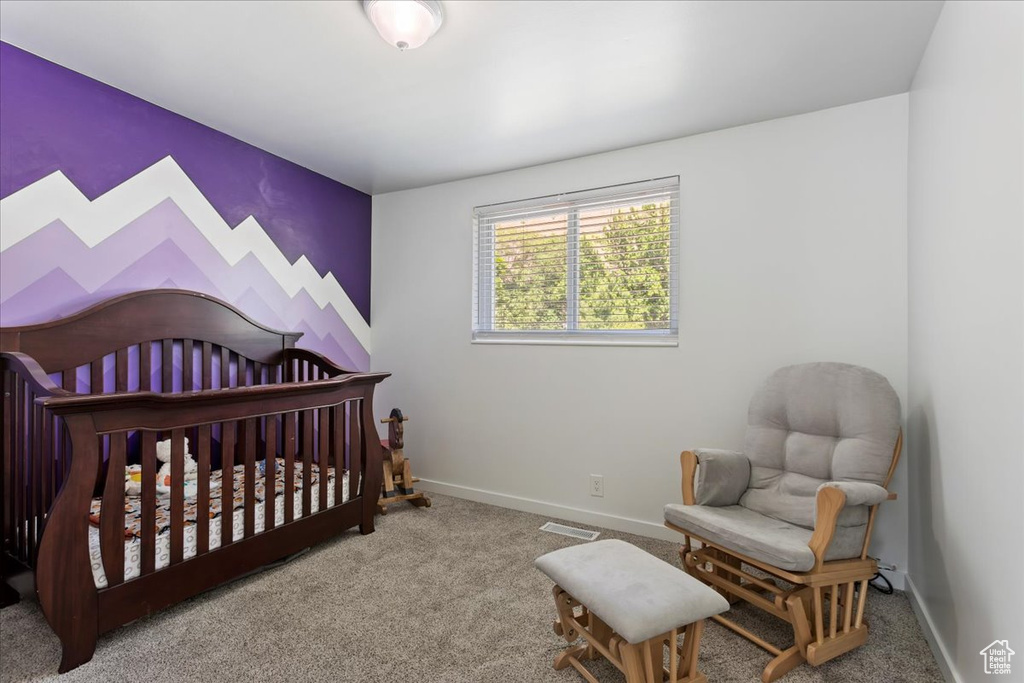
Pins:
x: 888, y: 586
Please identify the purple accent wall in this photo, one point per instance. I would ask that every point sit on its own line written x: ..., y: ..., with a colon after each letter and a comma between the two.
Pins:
x: 52, y: 118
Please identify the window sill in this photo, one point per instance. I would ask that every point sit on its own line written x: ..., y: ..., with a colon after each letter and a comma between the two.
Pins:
x: 581, y: 340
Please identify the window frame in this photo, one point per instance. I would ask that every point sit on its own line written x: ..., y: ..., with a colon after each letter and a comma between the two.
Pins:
x: 484, y: 220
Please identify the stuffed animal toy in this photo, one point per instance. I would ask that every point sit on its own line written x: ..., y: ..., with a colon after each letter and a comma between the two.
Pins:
x: 133, y: 473
x: 133, y: 480
x: 163, y: 477
x: 163, y: 454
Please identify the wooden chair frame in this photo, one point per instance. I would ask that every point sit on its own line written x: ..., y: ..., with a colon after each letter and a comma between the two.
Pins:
x: 638, y: 662
x: 820, y: 603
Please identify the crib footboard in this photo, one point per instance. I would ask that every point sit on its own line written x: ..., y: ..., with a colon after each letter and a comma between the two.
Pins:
x: 254, y: 474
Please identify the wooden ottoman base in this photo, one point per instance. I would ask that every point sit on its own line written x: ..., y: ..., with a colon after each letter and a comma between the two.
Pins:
x: 642, y: 662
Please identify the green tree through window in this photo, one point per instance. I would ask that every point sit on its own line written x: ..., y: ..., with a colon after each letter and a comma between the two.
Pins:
x: 530, y: 279
x: 622, y: 270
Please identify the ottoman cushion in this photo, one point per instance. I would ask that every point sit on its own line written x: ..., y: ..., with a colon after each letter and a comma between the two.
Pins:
x: 635, y: 593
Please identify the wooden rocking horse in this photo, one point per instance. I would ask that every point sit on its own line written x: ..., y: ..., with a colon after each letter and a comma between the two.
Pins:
x: 398, y: 479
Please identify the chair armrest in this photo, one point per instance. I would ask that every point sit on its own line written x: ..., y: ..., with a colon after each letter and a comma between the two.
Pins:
x: 832, y: 497
x: 859, y: 492
x: 720, y: 479
x: 829, y: 502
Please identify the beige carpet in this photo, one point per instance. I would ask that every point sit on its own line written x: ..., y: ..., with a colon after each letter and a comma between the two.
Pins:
x: 447, y: 593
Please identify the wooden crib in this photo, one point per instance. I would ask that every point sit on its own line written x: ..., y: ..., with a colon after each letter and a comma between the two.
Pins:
x: 86, y: 395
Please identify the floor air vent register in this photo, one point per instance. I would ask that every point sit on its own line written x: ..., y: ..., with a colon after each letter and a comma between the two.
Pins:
x: 582, y: 534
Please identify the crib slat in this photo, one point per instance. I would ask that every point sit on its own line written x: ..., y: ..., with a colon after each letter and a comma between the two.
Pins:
x: 146, y: 366
x: 49, y: 475
x: 112, y: 512
x: 355, y: 448
x: 43, y: 479
x: 8, y: 437
x: 307, y: 462
x: 20, y: 442
x: 16, y: 459
x: 338, y: 449
x: 13, y: 452
x: 26, y: 470
x: 121, y: 370
x: 35, y: 490
x: 257, y: 373
x: 148, y: 547
x: 227, y: 483
x: 289, y: 466
x: 249, y: 439
x: 225, y: 367
x: 186, y: 365
x: 177, y: 495
x: 96, y: 377
x: 60, y: 448
x: 270, y: 474
x: 207, y: 365
x: 26, y: 482
x: 167, y: 366
x: 65, y: 440
x: 58, y: 453
x: 203, y: 490
x: 322, y: 454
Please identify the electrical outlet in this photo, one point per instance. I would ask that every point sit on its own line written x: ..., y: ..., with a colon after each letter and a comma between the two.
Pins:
x: 597, y: 485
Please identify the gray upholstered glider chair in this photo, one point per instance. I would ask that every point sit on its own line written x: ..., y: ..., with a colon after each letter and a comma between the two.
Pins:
x: 798, y: 503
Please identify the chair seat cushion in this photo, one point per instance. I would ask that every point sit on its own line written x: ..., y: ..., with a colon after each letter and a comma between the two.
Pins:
x: 635, y: 593
x: 772, y: 541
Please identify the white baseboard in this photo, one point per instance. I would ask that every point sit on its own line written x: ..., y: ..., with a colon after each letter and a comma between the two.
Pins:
x: 614, y: 522
x: 539, y: 507
x: 924, y: 617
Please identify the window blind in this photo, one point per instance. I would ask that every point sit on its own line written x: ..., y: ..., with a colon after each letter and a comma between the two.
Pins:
x: 599, y: 266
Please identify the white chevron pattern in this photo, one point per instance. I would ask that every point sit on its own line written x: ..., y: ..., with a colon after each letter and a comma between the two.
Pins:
x: 56, y: 198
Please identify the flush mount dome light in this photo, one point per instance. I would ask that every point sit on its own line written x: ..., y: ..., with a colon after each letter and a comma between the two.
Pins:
x: 406, y: 24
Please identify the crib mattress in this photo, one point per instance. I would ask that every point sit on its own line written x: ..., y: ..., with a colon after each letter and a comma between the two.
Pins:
x: 133, y: 542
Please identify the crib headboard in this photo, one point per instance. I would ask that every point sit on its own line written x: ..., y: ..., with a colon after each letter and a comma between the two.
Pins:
x: 141, y: 317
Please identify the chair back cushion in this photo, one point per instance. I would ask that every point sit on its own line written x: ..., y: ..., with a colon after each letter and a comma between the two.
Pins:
x: 813, y: 423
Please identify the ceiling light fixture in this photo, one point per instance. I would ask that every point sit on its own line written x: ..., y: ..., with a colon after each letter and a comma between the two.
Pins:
x: 406, y: 24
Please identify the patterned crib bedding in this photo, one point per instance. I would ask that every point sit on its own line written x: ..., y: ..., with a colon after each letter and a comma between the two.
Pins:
x: 133, y: 516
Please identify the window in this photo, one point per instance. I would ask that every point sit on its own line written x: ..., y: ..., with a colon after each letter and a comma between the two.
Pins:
x: 593, y: 267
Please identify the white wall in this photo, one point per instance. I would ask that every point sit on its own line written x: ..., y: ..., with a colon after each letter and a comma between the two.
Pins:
x: 793, y: 250
x: 966, y: 410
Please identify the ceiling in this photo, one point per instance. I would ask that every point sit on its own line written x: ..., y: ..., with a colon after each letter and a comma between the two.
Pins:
x: 502, y: 85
